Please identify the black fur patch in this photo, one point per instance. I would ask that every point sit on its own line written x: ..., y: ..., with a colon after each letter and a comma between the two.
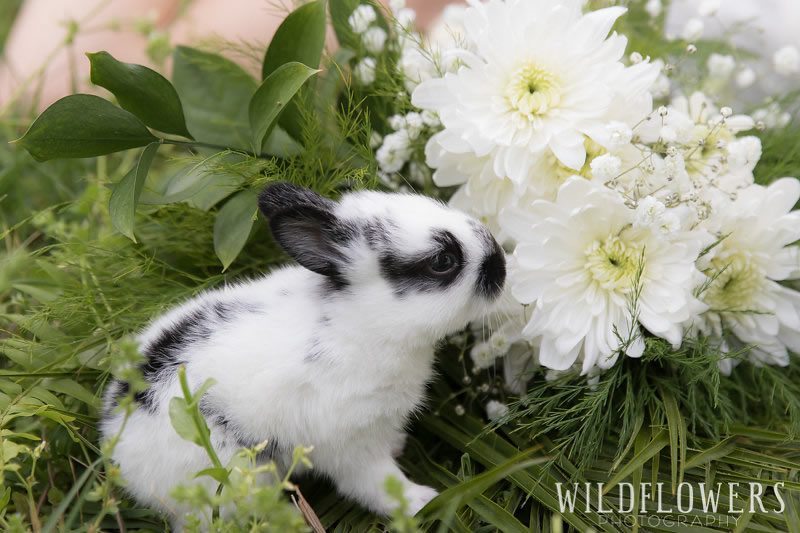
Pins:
x: 314, y: 238
x: 225, y: 311
x: 282, y: 195
x: 415, y: 274
x: 164, y: 353
x: 376, y: 234
x: 492, y: 272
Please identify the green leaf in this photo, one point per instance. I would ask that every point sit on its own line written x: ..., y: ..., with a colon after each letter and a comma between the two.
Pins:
x: 677, y: 438
x: 300, y: 38
x: 218, y: 474
x: 215, y: 93
x: 202, y: 185
x: 82, y: 125
x: 716, y: 452
x: 232, y: 226
x: 181, y: 417
x: 125, y: 196
x: 142, y: 91
x: 72, y: 388
x: 492, y: 451
x: 281, y: 144
x: 200, y: 392
x: 272, y: 96
x: 659, y: 441
x: 466, y: 491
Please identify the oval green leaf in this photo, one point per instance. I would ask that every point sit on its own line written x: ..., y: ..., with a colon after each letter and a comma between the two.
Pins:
x: 82, y: 125
x: 125, y: 196
x: 272, y: 96
x: 232, y: 226
x: 300, y: 38
x: 181, y: 418
x: 215, y: 92
x: 220, y: 475
x: 142, y: 91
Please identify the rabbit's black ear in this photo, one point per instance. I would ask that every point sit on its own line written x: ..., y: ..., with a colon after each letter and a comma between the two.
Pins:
x: 314, y: 238
x: 282, y: 195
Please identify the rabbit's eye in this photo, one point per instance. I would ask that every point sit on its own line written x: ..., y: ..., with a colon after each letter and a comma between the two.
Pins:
x: 443, y: 263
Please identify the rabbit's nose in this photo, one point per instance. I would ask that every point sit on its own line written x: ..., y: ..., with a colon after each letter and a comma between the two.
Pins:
x: 492, y: 272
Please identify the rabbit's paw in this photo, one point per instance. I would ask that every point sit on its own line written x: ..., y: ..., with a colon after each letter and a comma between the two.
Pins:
x: 418, y: 496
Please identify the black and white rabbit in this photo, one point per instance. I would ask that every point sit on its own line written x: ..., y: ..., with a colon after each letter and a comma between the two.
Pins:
x: 333, y: 353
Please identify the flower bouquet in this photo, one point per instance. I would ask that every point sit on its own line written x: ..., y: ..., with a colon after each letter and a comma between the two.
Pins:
x: 642, y: 365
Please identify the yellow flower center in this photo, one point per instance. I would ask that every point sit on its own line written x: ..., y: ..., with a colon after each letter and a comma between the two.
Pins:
x: 709, y: 149
x: 532, y: 91
x: 735, y: 282
x: 613, y: 263
x: 561, y: 172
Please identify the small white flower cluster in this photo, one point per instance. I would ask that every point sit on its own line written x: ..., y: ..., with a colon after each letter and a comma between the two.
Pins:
x: 363, y: 22
x: 396, y: 149
x: 624, y: 218
x: 704, y: 163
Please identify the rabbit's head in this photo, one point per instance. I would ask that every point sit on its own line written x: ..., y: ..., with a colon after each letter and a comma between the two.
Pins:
x: 400, y: 259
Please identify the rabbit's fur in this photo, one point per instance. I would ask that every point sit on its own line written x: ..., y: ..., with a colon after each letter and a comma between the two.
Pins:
x: 334, y: 353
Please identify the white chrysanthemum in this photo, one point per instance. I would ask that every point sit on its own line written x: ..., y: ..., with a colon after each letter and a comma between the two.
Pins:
x: 581, y: 263
x: 542, y: 77
x: 485, y: 195
x: 748, y: 306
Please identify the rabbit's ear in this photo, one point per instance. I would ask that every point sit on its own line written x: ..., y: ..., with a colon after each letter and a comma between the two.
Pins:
x: 282, y: 195
x: 314, y: 238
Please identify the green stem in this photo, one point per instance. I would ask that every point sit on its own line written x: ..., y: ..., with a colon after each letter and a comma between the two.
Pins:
x: 198, y: 419
x: 202, y: 430
x: 201, y: 144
